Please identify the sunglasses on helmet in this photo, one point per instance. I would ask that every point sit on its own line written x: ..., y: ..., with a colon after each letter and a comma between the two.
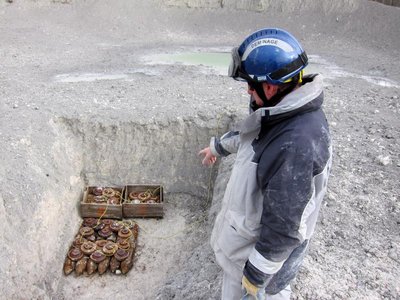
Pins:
x: 235, y: 69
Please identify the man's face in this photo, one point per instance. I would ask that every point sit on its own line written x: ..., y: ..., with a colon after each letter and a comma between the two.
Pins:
x: 252, y: 92
x: 270, y: 90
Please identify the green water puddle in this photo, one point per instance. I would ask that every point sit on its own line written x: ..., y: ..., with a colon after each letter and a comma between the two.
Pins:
x: 216, y: 62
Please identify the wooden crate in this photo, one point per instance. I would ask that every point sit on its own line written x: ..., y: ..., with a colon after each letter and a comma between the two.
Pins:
x: 143, y: 209
x: 97, y: 210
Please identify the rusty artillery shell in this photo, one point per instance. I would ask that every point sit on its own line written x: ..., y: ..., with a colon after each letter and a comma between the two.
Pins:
x: 102, y: 268
x: 114, y: 264
x: 127, y: 263
x: 91, y: 267
x: 81, y: 265
x: 69, y: 266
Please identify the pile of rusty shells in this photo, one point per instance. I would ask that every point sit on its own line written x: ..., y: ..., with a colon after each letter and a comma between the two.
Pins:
x: 101, y: 246
x: 142, y: 197
x: 104, y: 195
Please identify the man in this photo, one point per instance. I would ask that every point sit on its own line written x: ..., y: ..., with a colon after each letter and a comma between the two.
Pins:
x: 279, y: 178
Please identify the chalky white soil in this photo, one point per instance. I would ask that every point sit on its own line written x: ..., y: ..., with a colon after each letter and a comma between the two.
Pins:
x: 88, y: 97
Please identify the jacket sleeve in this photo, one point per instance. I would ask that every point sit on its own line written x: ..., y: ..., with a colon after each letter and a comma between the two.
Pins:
x: 287, y: 182
x: 227, y: 144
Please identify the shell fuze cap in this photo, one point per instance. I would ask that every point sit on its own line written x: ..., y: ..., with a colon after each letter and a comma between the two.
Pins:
x: 268, y: 55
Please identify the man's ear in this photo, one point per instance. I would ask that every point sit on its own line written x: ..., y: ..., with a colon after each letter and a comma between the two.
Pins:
x: 270, y: 90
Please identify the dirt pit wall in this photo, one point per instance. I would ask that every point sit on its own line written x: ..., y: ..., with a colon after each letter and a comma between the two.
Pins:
x: 270, y: 5
x: 163, y: 151
x: 94, y: 153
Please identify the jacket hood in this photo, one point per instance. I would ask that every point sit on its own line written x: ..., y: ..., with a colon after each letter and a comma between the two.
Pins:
x: 307, y: 97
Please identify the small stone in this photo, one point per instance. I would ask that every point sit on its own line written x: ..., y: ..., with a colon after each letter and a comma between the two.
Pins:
x: 331, y: 196
x: 384, y: 160
x: 117, y: 272
x: 339, y: 234
x: 15, y: 105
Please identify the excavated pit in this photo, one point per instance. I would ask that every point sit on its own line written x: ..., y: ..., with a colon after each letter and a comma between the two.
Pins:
x: 88, y: 153
x: 126, y: 153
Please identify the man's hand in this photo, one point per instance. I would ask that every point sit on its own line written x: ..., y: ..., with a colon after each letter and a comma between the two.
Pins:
x: 209, y: 158
x: 250, y: 288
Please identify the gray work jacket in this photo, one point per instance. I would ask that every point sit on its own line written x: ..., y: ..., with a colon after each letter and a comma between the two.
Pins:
x: 277, y: 184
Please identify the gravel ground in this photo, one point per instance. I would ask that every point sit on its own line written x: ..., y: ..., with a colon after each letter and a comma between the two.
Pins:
x: 85, y: 100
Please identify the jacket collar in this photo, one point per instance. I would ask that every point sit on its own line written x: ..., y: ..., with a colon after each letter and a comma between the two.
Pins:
x: 307, y: 97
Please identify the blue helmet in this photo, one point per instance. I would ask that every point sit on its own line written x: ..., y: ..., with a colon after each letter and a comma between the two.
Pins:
x: 268, y: 55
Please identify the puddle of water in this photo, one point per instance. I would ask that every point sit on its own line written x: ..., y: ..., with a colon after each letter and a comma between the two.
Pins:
x: 218, y: 63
